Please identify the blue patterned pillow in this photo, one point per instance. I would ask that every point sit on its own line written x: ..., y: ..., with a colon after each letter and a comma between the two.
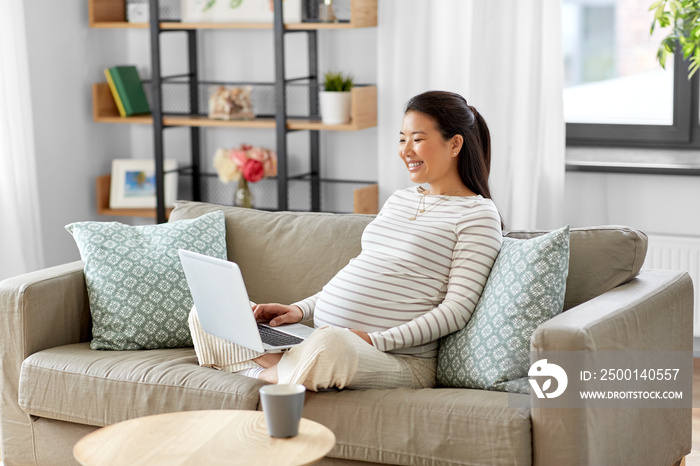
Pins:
x: 139, y: 298
x: 526, y: 287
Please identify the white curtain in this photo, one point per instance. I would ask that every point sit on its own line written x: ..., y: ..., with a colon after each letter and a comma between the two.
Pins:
x: 504, y: 57
x: 20, y: 230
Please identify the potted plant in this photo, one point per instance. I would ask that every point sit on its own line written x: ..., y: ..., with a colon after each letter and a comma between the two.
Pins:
x: 335, y: 98
x: 682, y: 19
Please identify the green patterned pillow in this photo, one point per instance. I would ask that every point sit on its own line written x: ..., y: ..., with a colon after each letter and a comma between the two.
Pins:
x: 525, y: 288
x: 139, y: 298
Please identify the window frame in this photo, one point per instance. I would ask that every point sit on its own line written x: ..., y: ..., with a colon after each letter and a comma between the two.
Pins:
x: 684, y: 133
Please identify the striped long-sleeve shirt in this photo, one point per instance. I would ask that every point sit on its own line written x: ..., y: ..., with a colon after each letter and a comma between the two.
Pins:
x: 415, y: 280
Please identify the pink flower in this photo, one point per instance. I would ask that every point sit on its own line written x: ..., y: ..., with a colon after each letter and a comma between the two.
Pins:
x: 258, y: 154
x: 239, y: 157
x: 253, y: 170
x: 253, y: 163
x: 270, y: 165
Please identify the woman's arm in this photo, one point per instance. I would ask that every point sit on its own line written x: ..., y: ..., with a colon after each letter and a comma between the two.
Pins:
x: 307, y: 306
x: 478, y: 242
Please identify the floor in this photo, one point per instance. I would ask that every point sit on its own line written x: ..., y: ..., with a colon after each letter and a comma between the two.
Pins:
x: 693, y: 459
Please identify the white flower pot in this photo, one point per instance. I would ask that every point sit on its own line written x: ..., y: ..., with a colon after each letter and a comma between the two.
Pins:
x: 335, y: 107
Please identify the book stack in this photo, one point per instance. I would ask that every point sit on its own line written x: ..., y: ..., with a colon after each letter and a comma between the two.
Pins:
x: 127, y: 90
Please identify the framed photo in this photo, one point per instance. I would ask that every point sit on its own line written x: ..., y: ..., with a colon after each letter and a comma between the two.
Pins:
x: 133, y: 184
x: 237, y: 11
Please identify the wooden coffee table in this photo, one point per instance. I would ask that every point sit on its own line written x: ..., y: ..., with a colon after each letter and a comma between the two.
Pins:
x: 202, y: 437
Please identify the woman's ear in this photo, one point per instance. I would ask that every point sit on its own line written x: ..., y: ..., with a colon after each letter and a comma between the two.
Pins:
x: 456, y: 144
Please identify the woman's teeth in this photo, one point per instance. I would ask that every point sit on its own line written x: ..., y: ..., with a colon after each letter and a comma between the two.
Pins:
x: 414, y: 164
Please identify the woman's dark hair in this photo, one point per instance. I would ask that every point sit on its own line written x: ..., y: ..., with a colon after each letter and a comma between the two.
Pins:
x: 453, y: 115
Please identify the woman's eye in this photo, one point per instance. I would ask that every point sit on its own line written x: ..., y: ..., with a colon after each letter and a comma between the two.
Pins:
x: 417, y: 140
x: 401, y: 141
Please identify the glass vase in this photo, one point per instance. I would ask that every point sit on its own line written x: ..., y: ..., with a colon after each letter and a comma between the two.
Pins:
x: 326, y: 13
x: 243, y: 197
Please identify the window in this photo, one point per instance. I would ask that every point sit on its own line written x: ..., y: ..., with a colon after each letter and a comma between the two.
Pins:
x: 615, y: 92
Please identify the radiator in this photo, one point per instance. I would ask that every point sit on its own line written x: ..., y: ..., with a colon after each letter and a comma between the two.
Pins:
x: 677, y: 253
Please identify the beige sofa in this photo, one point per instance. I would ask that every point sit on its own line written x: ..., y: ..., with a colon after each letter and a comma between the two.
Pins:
x: 55, y: 389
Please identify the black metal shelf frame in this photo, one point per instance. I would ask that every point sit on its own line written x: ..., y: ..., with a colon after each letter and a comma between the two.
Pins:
x: 280, y: 114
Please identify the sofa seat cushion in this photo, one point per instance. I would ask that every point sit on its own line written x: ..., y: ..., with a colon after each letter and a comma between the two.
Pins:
x: 76, y: 384
x: 425, y: 427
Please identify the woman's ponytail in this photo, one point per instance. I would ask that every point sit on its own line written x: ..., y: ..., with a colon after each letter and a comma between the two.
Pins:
x: 484, y: 137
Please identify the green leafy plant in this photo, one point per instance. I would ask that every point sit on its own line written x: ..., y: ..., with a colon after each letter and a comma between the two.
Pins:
x: 232, y: 4
x: 682, y: 19
x: 336, y: 82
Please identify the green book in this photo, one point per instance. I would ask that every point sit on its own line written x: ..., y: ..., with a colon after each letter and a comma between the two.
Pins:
x: 128, y: 83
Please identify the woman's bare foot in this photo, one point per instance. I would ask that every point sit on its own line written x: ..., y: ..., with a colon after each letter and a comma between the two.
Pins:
x: 268, y: 360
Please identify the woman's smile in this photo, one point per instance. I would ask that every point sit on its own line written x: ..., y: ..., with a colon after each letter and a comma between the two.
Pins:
x: 414, y: 166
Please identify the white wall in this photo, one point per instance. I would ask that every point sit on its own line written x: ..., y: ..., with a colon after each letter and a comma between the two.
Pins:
x: 655, y: 204
x: 65, y: 58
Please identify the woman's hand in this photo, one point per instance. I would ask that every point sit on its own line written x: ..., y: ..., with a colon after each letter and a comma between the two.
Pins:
x: 277, y: 314
x: 362, y: 335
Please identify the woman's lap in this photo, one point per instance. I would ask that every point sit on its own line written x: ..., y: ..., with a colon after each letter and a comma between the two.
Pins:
x: 335, y: 357
x: 330, y: 357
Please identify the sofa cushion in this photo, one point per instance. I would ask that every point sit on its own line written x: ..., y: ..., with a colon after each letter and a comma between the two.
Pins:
x: 76, y: 384
x: 600, y: 258
x: 525, y: 288
x: 138, y: 294
x: 425, y: 427
x: 284, y: 256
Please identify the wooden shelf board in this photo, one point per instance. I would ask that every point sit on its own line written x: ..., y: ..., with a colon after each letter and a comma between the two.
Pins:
x: 112, y: 14
x: 118, y: 25
x: 104, y: 109
x: 364, y: 114
x: 204, y: 121
x: 102, y: 185
x: 314, y: 26
x: 177, y: 25
x: 141, y: 120
x: 316, y: 125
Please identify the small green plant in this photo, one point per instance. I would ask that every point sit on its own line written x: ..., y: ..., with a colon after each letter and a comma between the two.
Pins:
x: 682, y: 19
x: 232, y: 4
x: 336, y: 82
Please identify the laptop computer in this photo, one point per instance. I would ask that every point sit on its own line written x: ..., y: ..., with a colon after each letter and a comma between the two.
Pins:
x: 224, y: 308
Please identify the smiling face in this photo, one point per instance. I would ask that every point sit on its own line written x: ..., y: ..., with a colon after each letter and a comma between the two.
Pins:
x: 429, y: 158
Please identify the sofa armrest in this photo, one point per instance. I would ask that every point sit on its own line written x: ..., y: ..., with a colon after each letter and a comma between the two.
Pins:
x: 38, y: 310
x: 653, y: 312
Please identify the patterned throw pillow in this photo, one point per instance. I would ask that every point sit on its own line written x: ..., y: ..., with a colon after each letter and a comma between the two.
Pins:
x: 525, y: 288
x: 139, y: 298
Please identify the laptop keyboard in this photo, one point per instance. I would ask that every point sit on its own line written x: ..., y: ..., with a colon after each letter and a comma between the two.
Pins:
x: 274, y: 337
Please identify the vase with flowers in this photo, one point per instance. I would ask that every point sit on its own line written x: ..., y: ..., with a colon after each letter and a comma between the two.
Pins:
x: 244, y: 164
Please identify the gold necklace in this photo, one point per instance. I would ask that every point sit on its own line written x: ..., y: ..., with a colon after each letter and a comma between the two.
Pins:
x: 424, y: 210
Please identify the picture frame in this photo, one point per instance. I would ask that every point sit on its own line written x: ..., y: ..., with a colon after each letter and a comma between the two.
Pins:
x: 238, y: 11
x: 133, y: 184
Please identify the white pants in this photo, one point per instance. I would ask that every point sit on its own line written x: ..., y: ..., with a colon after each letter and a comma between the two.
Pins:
x: 330, y: 357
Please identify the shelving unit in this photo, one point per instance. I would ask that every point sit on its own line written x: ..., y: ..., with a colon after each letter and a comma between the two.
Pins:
x: 111, y: 14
